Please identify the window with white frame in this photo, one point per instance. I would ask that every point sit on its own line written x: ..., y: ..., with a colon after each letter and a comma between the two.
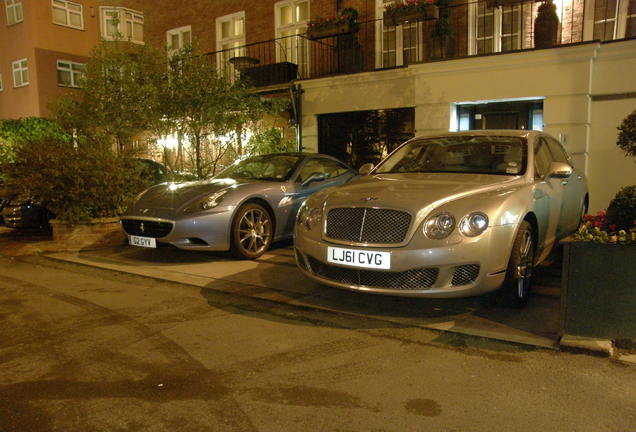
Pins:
x: 68, y: 14
x: 20, y: 73
x: 178, y: 38
x: 14, y: 11
x: 610, y: 19
x: 122, y: 23
x: 496, y: 28
x: 69, y: 74
x: 230, y: 39
x: 291, y: 18
x: 396, y: 45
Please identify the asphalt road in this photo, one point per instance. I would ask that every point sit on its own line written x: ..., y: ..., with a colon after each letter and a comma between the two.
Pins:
x: 84, y: 349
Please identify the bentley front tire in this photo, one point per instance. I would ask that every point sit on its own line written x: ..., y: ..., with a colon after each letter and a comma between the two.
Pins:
x: 518, y: 281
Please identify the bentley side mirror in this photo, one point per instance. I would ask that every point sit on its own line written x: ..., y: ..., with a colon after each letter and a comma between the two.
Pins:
x: 314, y: 177
x: 365, y: 169
x: 560, y: 170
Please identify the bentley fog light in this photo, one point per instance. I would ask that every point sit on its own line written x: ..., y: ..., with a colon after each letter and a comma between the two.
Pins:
x: 439, y: 226
x: 473, y: 224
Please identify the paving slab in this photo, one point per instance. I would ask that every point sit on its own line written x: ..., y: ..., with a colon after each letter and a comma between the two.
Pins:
x: 274, y: 277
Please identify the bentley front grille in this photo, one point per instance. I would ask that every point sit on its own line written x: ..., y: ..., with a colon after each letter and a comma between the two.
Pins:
x: 416, y: 279
x: 146, y: 228
x: 368, y: 225
x: 465, y: 274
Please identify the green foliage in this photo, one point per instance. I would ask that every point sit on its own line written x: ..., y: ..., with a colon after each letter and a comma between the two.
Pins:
x: 270, y: 141
x: 622, y: 209
x: 627, y: 135
x: 14, y: 132
x: 76, y: 183
x: 120, y: 94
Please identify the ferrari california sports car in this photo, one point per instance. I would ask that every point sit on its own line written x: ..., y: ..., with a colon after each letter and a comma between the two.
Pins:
x: 451, y: 215
x: 243, y: 209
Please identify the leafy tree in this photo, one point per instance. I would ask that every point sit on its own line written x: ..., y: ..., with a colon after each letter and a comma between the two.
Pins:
x: 119, y: 97
x: 202, y: 105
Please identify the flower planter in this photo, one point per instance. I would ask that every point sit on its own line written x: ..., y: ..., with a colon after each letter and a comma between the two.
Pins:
x: 397, y: 17
x: 97, y: 233
x: 330, y: 30
x: 271, y: 74
x: 598, y: 296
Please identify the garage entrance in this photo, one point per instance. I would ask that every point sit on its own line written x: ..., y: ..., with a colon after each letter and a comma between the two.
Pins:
x: 501, y: 115
x: 359, y: 137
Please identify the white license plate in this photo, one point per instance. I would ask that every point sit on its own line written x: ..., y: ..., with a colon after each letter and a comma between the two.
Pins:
x: 359, y: 258
x: 147, y: 242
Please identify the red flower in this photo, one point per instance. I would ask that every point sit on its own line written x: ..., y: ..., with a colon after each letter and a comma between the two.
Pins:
x: 601, y: 214
x: 598, y: 224
x: 612, y: 227
x: 589, y: 217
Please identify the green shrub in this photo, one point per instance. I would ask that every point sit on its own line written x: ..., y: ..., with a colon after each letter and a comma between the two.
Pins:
x: 15, y: 131
x: 627, y: 135
x: 76, y: 182
x: 622, y: 209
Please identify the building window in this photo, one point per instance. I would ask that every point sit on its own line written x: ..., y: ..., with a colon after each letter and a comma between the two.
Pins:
x: 496, y: 28
x: 121, y: 23
x: 69, y: 74
x: 20, y: 73
x: 230, y: 40
x: 291, y: 17
x: 178, y: 38
x: 14, y: 11
x: 68, y: 14
x: 397, y: 45
x: 612, y: 19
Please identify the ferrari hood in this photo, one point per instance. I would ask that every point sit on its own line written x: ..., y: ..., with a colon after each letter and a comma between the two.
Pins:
x: 173, y: 196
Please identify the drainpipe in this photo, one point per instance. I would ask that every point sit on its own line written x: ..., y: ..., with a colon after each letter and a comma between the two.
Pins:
x: 295, y: 93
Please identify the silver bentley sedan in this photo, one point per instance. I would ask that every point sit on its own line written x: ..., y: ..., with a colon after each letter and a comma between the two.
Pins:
x: 451, y: 215
x: 243, y: 209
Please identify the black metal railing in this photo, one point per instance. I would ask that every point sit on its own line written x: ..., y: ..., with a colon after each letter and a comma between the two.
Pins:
x: 477, y: 28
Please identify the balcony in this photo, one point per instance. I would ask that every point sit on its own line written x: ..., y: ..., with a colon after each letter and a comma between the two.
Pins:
x: 476, y: 29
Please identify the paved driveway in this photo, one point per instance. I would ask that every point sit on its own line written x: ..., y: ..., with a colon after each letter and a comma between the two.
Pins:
x: 275, y: 277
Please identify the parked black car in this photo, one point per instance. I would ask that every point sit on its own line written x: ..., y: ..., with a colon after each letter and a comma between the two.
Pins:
x: 24, y: 212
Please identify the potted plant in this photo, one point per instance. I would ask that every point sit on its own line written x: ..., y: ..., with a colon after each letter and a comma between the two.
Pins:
x: 627, y: 135
x: 410, y: 11
x: 442, y: 44
x: 546, y: 25
x: 344, y: 22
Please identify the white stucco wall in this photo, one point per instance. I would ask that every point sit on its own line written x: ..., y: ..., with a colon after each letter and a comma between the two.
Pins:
x: 568, y: 79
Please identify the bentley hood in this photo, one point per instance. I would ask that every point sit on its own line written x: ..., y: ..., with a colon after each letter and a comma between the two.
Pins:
x: 414, y: 191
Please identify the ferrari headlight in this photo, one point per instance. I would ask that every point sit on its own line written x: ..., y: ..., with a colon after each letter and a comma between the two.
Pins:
x: 439, y: 226
x: 213, y: 200
x: 473, y: 224
x: 309, y: 216
x: 207, y: 203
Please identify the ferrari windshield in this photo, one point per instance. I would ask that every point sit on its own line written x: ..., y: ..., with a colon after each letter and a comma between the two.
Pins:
x: 459, y: 154
x: 272, y: 167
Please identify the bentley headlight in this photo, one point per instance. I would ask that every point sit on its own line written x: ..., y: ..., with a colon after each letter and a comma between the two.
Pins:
x: 439, y: 226
x: 473, y: 224
x: 309, y: 216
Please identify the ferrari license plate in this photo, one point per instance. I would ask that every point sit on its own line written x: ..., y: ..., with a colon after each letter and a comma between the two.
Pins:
x: 359, y: 258
x: 147, y: 242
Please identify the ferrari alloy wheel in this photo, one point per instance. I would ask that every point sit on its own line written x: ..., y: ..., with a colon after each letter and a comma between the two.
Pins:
x: 251, y: 231
x: 516, y: 287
